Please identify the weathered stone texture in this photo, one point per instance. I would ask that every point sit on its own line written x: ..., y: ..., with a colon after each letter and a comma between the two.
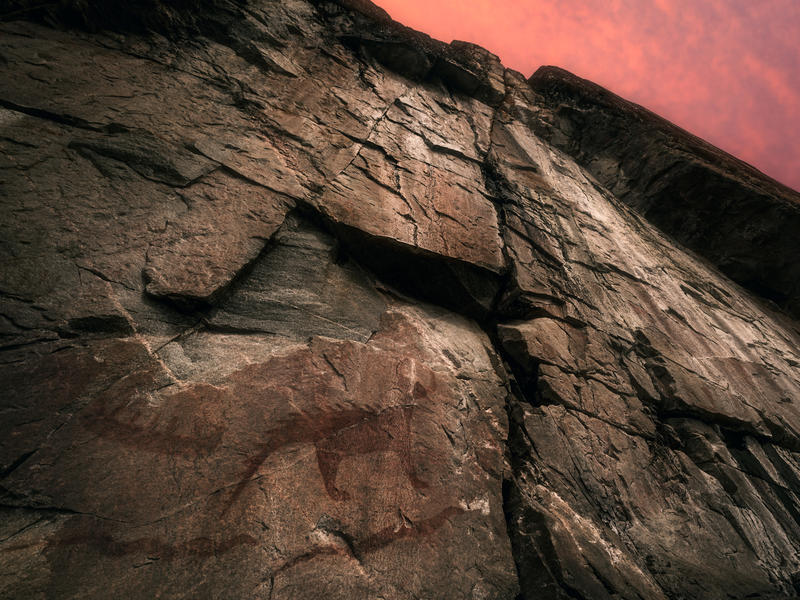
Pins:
x: 299, y: 303
x: 743, y: 222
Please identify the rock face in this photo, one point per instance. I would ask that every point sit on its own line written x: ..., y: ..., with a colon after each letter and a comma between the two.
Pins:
x: 299, y: 303
x: 744, y: 223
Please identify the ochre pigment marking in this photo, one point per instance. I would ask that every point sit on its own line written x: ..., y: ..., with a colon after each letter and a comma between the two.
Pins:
x: 107, y: 545
x: 335, y: 436
x: 119, y: 423
x: 378, y: 540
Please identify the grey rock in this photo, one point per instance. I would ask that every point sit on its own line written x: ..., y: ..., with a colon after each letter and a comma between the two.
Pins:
x: 742, y: 221
x: 302, y: 286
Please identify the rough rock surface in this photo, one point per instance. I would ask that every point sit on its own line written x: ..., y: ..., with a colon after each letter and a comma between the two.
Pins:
x: 743, y: 222
x: 299, y: 303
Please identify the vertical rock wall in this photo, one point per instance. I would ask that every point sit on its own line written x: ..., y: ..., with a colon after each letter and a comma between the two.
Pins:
x: 299, y: 303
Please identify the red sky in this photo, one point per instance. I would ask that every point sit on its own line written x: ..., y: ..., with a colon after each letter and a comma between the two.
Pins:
x: 726, y: 70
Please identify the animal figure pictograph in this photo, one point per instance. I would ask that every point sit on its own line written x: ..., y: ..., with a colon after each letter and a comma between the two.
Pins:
x: 339, y: 434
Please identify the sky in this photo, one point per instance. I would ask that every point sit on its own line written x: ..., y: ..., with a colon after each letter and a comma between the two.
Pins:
x: 726, y: 70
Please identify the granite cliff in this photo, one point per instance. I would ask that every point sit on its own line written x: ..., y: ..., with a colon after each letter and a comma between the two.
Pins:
x: 296, y: 302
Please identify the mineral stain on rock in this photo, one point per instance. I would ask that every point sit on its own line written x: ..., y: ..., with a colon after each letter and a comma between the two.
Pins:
x: 297, y: 302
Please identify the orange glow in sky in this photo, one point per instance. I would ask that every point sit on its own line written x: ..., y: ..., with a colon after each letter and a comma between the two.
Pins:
x: 726, y: 70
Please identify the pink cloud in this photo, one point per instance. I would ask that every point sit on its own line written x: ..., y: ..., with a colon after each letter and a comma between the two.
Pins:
x: 726, y: 70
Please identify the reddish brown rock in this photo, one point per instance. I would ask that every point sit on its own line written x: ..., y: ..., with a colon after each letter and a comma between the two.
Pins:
x: 299, y: 303
x: 332, y: 461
